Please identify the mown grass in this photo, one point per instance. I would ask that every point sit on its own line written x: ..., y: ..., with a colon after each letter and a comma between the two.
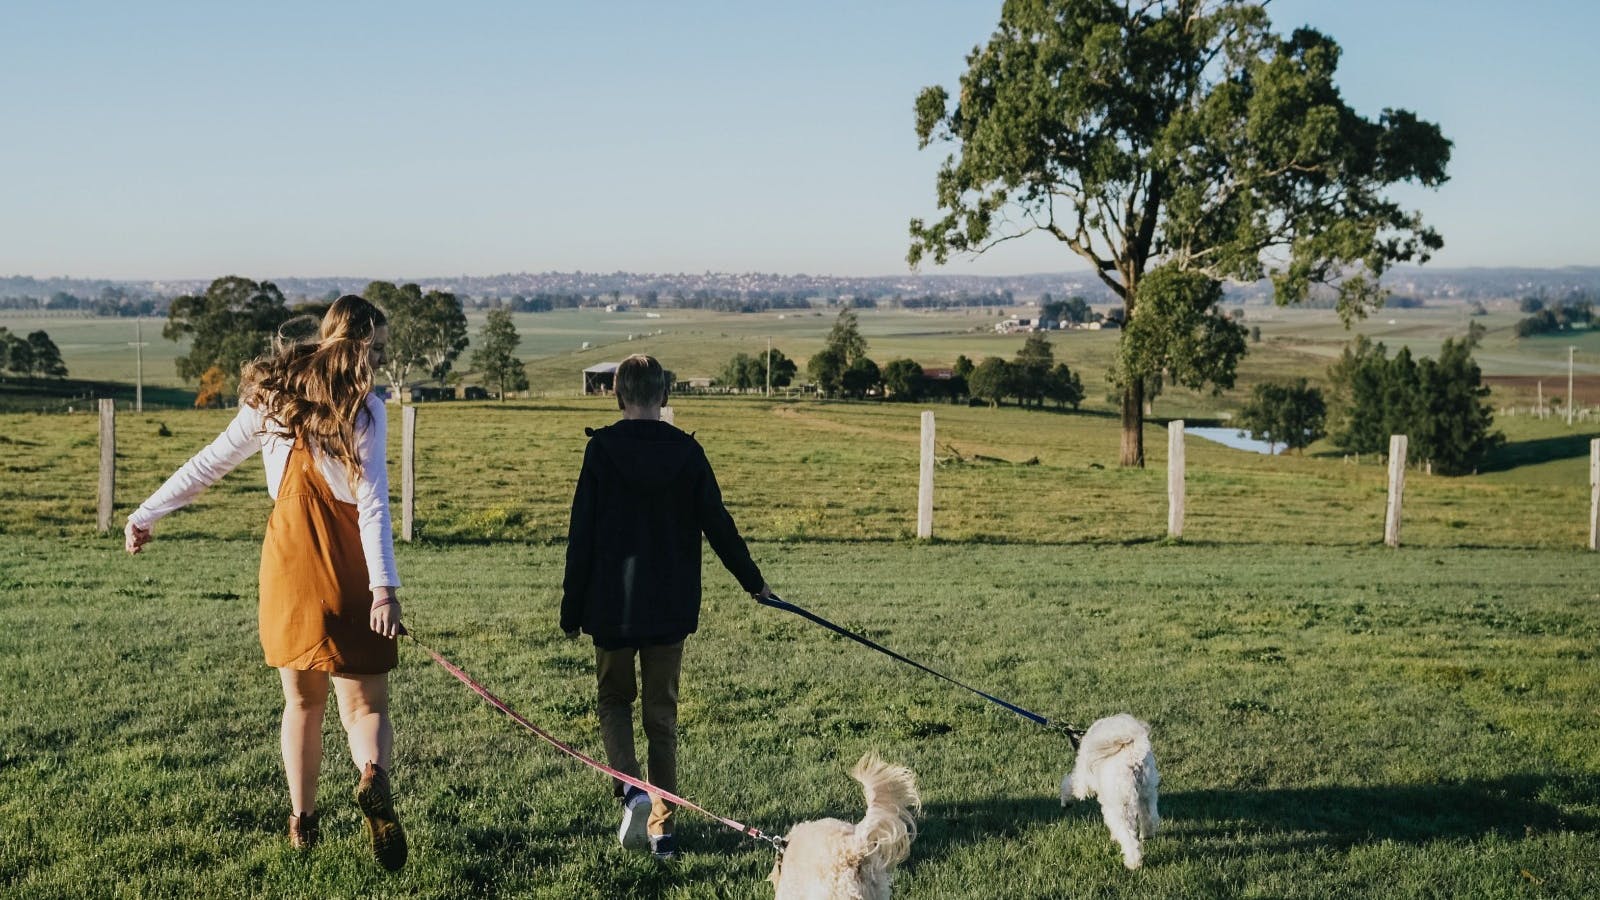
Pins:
x: 807, y: 470
x: 1333, y: 718
x: 1330, y: 721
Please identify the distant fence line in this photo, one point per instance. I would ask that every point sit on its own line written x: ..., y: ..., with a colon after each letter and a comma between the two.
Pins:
x: 1176, y: 477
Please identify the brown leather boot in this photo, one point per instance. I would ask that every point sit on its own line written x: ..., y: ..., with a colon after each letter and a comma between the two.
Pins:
x: 304, y: 831
x: 383, y: 826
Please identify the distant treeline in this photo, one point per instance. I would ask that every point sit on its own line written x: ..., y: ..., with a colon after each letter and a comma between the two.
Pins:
x: 739, y: 301
x: 1573, y: 310
x: 1393, y: 301
x: 111, y: 301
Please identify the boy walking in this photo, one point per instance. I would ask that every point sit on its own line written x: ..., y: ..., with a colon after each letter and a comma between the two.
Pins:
x: 644, y: 497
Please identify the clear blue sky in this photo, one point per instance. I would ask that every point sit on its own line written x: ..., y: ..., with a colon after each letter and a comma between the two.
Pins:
x: 394, y: 139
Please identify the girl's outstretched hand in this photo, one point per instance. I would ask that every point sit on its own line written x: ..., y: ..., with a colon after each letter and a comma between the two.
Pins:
x: 134, y: 538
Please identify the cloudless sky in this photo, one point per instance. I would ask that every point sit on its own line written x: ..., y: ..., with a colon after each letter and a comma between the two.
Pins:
x: 401, y: 139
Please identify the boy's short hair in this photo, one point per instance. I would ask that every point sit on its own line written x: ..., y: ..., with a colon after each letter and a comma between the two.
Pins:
x: 640, y: 381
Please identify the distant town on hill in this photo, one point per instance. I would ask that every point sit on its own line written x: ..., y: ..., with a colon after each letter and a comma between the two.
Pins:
x: 757, y: 290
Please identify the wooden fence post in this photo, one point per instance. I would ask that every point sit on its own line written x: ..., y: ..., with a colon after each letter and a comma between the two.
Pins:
x: 1594, y: 494
x: 108, y: 461
x: 925, y: 482
x: 1175, y: 478
x: 408, y: 471
x: 1397, y: 487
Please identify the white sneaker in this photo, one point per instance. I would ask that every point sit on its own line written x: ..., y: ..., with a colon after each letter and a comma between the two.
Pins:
x: 635, y: 816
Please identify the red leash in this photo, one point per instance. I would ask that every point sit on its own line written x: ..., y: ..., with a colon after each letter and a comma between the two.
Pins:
x: 497, y: 703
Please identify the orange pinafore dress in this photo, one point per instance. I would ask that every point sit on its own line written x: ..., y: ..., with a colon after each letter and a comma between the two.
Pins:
x: 315, y: 600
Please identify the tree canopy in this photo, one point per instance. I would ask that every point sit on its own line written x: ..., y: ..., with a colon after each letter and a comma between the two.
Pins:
x: 1182, y: 135
x: 495, y: 358
x: 1293, y: 414
x: 1437, y: 403
x: 745, y: 371
x: 903, y: 380
x: 230, y: 324
x: 426, y: 331
x: 841, y: 350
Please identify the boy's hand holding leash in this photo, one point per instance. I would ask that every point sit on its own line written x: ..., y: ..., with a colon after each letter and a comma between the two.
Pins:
x: 764, y: 594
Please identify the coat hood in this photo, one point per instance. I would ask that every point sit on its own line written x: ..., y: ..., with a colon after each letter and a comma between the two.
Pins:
x: 648, y: 455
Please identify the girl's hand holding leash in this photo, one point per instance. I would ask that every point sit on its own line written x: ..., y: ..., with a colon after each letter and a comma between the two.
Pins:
x: 134, y: 538
x: 385, y: 616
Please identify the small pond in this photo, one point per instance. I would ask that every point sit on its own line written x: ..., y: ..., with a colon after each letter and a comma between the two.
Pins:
x: 1231, y: 437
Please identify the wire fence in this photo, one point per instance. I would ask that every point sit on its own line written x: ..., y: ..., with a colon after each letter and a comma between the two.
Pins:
x: 808, y: 470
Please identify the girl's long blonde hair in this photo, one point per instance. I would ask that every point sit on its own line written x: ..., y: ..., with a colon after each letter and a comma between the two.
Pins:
x: 316, y: 390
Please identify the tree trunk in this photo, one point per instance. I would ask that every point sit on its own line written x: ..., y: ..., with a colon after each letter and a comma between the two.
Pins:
x: 1133, y: 423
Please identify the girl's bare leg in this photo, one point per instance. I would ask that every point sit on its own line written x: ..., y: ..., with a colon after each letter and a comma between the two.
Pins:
x: 364, y: 710
x: 305, y: 698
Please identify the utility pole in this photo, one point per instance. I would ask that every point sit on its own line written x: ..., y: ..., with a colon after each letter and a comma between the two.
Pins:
x: 1569, y: 385
x: 769, y: 366
x: 138, y: 344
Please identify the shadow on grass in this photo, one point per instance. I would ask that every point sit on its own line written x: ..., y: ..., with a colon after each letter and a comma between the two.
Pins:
x: 1206, y: 824
x: 1540, y: 450
x: 56, y: 395
x: 1294, y: 819
x: 525, y: 406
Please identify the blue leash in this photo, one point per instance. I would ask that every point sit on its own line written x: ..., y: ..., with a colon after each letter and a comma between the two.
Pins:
x: 1073, y: 734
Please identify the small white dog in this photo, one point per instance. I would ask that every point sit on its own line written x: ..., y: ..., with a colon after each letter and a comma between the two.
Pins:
x: 1116, y: 764
x: 832, y: 860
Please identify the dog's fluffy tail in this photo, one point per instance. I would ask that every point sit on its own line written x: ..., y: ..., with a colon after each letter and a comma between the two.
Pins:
x: 1123, y: 736
x: 884, y: 836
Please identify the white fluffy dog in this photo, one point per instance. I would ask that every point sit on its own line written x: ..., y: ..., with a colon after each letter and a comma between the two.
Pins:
x: 832, y: 860
x: 1116, y: 764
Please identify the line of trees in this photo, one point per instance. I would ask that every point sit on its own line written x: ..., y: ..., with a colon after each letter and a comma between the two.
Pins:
x: 111, y: 301
x: 1565, y: 315
x: 747, y: 371
x: 1031, y: 379
x: 34, y: 356
x: 1438, y: 403
x: 843, y: 369
x: 235, y: 320
x: 1073, y: 310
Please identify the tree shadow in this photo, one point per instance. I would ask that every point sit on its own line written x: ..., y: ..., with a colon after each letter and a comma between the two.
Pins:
x: 1540, y: 450
x: 1208, y: 823
x: 1294, y: 819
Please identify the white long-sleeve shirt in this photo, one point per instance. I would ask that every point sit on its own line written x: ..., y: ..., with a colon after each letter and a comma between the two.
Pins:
x: 244, y: 436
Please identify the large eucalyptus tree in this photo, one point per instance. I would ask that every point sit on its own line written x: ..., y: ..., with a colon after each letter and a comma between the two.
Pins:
x: 1174, y: 145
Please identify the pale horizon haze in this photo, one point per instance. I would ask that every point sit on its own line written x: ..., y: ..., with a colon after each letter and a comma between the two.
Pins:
x: 410, y: 140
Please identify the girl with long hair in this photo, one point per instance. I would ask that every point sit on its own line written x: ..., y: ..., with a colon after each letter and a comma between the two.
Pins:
x: 329, y: 609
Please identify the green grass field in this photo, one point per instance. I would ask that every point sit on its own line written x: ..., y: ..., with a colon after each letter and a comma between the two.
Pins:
x: 1330, y: 721
x: 1332, y: 718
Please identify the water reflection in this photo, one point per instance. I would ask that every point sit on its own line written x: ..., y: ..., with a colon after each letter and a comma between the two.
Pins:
x: 1231, y: 437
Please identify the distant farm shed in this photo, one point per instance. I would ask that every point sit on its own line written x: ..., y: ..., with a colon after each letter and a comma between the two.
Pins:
x: 420, y: 394
x: 598, y: 378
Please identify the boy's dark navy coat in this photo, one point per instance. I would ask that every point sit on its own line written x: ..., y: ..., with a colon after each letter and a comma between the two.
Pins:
x: 644, y: 497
